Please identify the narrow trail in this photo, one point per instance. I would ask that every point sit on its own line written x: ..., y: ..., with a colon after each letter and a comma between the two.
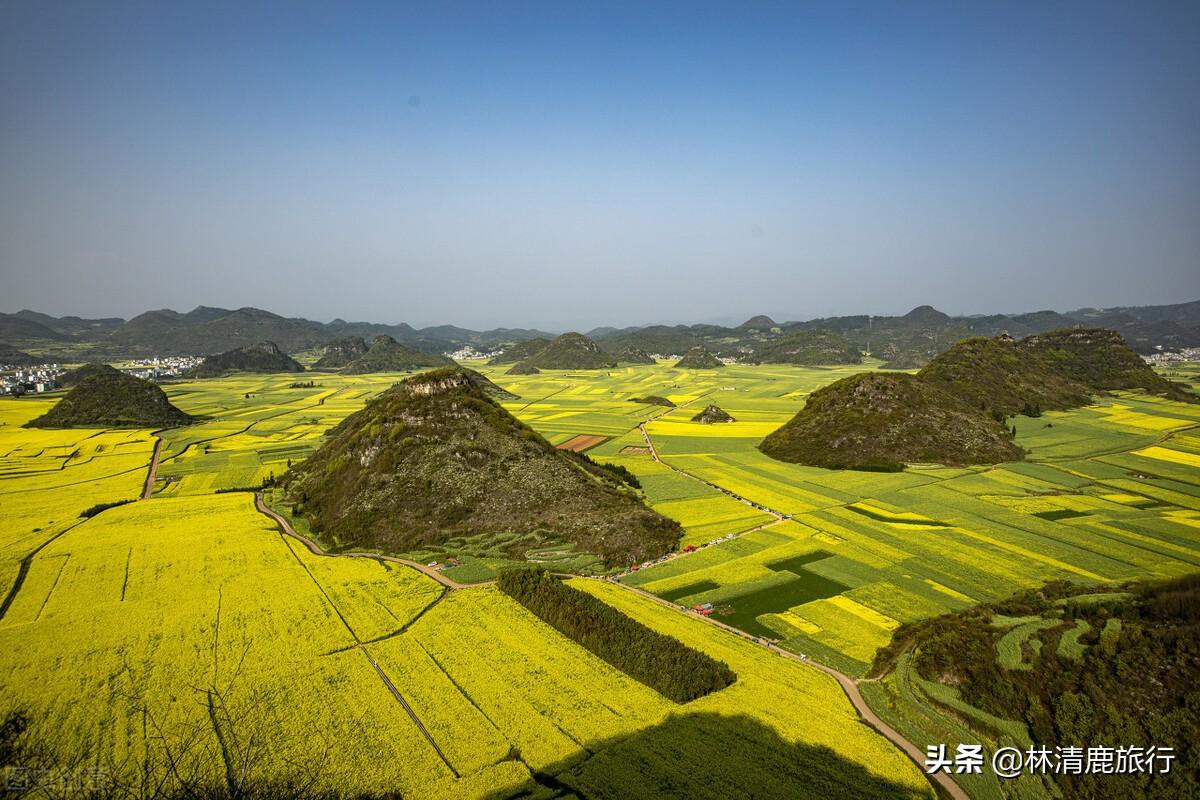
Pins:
x: 316, y: 550
x: 359, y: 644
x: 26, y: 562
x: 151, y: 476
x: 411, y: 713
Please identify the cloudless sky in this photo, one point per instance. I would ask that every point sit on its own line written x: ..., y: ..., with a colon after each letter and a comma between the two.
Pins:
x: 566, y: 165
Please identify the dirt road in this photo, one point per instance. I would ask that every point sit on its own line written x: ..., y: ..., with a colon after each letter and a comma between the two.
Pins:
x: 315, y: 549
x: 152, y: 474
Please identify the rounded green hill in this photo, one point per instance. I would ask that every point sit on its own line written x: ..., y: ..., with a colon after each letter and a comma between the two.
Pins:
x: 388, y: 355
x: 881, y: 421
x: 262, y: 357
x: 572, y: 351
x: 698, y: 358
x: 435, y: 458
x: 112, y: 400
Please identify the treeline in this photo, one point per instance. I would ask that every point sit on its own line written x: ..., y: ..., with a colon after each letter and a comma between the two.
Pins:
x: 664, y: 664
x: 92, y: 511
x: 603, y: 468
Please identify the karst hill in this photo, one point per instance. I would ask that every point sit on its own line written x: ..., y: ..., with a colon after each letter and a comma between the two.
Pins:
x: 571, y: 351
x: 634, y: 355
x: 262, y: 357
x: 698, y: 358
x: 881, y: 421
x: 112, y: 399
x: 340, y: 352
x: 712, y: 415
x: 1044, y: 372
x: 436, y: 457
x: 388, y: 355
x: 953, y: 410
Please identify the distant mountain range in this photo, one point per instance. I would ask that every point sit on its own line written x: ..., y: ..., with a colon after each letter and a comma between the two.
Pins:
x: 908, y: 341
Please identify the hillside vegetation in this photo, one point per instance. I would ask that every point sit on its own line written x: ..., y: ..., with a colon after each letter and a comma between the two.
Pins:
x: 520, y: 351
x: 1127, y: 674
x: 1052, y: 371
x: 340, y: 352
x: 435, y: 457
x: 880, y: 421
x: 698, y: 358
x: 112, y: 400
x: 952, y: 411
x: 261, y: 357
x: 808, y: 347
x: 388, y: 355
x: 572, y: 351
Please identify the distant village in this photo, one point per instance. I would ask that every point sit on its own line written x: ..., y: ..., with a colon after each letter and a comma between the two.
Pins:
x: 16, y: 381
x: 1185, y: 354
x: 469, y: 353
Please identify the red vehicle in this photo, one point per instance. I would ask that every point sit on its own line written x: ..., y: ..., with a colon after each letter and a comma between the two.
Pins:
x: 635, y: 567
x: 690, y: 548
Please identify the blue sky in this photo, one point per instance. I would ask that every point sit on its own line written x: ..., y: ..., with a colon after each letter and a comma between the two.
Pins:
x: 570, y: 165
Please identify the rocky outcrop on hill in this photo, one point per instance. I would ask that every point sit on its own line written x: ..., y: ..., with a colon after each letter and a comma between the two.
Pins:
x: 711, y: 415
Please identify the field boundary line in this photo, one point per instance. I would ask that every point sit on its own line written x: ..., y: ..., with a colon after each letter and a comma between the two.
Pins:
x: 849, y: 687
x: 26, y: 562
x: 411, y: 712
x: 315, y: 549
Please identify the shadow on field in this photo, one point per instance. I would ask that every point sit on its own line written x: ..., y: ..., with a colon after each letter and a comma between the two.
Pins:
x: 702, y: 756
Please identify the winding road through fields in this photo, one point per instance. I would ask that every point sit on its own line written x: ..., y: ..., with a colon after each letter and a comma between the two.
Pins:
x: 316, y: 550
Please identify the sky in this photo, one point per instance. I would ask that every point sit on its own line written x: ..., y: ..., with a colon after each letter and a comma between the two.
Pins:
x: 568, y: 165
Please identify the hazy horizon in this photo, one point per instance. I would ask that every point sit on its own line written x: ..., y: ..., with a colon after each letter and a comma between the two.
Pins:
x: 565, y: 169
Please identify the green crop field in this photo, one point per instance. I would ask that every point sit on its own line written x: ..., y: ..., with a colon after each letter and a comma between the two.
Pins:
x: 189, y: 613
